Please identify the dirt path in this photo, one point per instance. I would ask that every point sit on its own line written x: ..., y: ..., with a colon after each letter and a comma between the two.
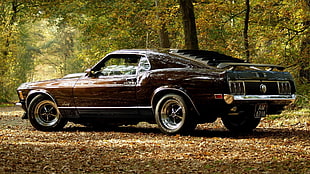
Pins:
x: 272, y: 148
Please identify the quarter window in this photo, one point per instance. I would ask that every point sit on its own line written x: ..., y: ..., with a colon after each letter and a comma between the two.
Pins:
x: 144, y: 64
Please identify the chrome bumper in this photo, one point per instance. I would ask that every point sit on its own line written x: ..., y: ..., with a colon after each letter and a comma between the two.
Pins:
x: 19, y: 104
x: 229, y: 99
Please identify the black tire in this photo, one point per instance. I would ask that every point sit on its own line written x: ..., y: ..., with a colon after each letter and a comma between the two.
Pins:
x: 44, y: 115
x: 244, y: 122
x: 173, y: 115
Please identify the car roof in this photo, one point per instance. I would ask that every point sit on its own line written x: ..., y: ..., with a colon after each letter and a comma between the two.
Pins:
x: 133, y: 51
x: 212, y: 58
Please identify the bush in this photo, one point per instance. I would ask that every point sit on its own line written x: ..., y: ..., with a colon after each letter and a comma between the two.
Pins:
x: 303, y: 95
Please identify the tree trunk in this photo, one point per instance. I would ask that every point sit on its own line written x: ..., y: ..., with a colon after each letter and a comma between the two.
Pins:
x: 164, y: 37
x: 245, y: 30
x: 304, y: 72
x: 163, y: 33
x: 189, y: 24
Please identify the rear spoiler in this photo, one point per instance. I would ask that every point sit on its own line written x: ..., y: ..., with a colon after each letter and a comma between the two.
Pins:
x: 234, y: 65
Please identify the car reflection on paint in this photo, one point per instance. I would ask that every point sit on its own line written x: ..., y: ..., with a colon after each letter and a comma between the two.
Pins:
x: 176, y: 89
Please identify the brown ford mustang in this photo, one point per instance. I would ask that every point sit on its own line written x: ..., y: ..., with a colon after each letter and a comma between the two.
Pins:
x: 177, y: 89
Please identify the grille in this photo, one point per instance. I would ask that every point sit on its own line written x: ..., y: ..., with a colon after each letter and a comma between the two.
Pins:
x: 284, y: 87
x: 237, y: 88
x: 254, y: 87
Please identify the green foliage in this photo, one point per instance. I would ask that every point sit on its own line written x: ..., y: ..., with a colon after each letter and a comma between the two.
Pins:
x: 48, y: 39
x: 303, y: 98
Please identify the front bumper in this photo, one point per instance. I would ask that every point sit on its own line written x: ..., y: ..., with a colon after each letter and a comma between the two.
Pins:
x: 19, y: 104
x: 22, y: 105
x: 275, y: 99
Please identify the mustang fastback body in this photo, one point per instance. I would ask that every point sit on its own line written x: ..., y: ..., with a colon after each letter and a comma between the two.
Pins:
x: 177, y: 89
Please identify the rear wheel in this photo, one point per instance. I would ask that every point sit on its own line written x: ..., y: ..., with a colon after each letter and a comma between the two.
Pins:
x: 242, y: 122
x: 172, y: 115
x: 44, y: 115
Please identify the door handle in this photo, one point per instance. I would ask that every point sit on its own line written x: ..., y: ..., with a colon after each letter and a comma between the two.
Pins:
x: 131, y: 79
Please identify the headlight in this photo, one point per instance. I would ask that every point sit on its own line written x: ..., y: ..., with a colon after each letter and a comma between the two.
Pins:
x: 20, y: 95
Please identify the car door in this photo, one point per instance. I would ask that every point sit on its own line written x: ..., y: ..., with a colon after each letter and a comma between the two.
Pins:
x: 111, y: 91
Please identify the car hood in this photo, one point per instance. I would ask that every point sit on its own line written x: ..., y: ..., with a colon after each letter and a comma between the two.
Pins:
x: 53, y: 83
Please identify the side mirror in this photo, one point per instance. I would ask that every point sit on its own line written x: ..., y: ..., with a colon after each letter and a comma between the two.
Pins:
x: 89, y: 72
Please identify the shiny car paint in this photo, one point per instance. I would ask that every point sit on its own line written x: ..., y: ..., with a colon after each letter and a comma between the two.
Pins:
x: 206, y: 84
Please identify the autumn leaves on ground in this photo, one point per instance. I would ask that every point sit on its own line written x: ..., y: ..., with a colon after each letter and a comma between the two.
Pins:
x: 278, y: 145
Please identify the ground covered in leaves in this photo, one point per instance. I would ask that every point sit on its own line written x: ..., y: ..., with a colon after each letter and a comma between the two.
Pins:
x: 278, y: 145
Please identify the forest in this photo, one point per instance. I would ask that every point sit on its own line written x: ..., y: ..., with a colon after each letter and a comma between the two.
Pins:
x: 43, y: 39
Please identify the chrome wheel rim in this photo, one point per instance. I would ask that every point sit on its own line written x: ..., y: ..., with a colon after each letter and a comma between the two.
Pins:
x: 46, y: 113
x: 172, y: 114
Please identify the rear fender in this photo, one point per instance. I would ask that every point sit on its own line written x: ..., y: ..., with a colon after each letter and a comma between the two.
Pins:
x: 161, y: 91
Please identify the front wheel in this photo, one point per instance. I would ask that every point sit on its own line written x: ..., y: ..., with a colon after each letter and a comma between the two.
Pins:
x: 243, y: 122
x: 44, y: 115
x: 172, y: 115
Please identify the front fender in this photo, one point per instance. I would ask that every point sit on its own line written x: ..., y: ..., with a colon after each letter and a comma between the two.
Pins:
x: 36, y: 92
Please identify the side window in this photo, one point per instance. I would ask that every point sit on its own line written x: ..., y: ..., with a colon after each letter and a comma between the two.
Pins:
x: 120, y: 65
x: 144, y: 64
